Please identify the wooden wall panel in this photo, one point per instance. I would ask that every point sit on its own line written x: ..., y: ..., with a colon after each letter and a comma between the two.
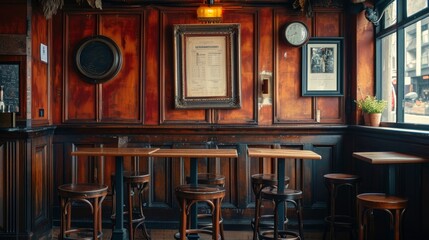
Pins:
x: 152, y: 66
x: 41, y: 188
x: 265, y: 65
x: 143, y: 92
x: 4, y: 182
x: 247, y: 114
x: 40, y: 75
x: 170, y: 115
x: 14, y: 20
x: 289, y: 105
x: 121, y: 96
x: 331, y: 25
x: 79, y: 97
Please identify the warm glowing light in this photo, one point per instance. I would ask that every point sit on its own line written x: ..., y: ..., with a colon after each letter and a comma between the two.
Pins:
x: 209, y: 13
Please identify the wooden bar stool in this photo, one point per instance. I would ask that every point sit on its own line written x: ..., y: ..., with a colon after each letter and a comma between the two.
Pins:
x: 287, y: 196
x: 205, y: 219
x: 136, y: 183
x: 260, y: 181
x: 90, y: 194
x: 334, y: 182
x: 393, y: 205
x: 188, y: 195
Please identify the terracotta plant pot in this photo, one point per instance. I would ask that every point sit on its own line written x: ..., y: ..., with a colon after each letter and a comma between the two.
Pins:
x: 366, y: 119
x: 375, y: 119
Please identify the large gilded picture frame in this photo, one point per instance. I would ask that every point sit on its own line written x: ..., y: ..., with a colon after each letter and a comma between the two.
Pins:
x: 207, y: 66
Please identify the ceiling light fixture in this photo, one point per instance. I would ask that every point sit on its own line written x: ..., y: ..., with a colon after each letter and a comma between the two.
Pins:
x: 209, y: 13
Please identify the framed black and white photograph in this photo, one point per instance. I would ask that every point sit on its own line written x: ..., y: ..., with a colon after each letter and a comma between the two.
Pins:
x: 322, y: 63
x: 207, y: 66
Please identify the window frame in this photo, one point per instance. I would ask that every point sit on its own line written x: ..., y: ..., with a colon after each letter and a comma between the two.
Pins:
x: 402, y: 22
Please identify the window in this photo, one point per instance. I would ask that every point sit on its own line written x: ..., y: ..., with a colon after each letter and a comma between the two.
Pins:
x: 403, y: 57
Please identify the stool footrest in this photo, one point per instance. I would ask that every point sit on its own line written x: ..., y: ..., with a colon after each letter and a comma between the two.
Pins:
x: 194, y: 231
x: 340, y: 220
x: 81, y: 233
x: 282, y: 234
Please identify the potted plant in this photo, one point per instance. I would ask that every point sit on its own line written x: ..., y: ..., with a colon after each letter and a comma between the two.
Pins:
x: 372, y: 109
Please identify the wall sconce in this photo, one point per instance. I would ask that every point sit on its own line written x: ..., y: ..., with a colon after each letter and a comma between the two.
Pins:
x: 371, y: 15
x: 209, y: 13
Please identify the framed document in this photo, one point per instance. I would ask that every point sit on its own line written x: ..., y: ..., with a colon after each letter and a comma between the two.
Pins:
x: 322, y: 67
x: 207, y: 65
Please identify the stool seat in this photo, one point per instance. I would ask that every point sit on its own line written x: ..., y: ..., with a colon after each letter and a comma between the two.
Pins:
x: 135, y: 182
x: 135, y: 177
x: 87, y: 193
x: 290, y: 196
x: 341, y: 178
x: 393, y: 205
x: 333, y: 182
x: 82, y: 190
x: 267, y: 179
x: 200, y: 191
x: 381, y: 200
x: 209, y: 179
x: 190, y: 194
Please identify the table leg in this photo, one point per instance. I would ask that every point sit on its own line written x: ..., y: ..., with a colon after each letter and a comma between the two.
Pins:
x: 119, y: 232
x: 194, y: 180
x: 391, y: 180
x: 280, y: 188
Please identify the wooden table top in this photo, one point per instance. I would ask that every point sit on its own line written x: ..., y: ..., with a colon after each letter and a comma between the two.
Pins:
x: 283, y: 153
x: 113, y: 151
x: 389, y: 157
x: 195, y: 153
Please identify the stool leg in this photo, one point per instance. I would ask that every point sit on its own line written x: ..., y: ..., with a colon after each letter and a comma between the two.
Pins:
x: 397, y: 222
x: 276, y: 220
x: 95, y: 219
x: 360, y: 221
x: 257, y: 190
x: 215, y: 221
x: 332, y: 200
x: 141, y: 190
x: 100, y: 218
x: 68, y: 214
x: 130, y: 211
x: 63, y: 218
x: 300, y: 220
x: 183, y: 220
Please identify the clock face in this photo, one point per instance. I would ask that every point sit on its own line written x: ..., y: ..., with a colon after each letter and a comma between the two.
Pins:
x: 296, y: 33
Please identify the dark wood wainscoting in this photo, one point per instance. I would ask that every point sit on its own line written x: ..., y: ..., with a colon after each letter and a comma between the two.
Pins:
x: 238, y: 205
x: 412, y: 180
x: 25, y: 183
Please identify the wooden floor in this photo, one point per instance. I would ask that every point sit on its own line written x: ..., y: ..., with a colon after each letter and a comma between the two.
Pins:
x: 167, y: 234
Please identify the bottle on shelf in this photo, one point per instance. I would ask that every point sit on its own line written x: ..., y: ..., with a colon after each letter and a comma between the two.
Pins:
x: 2, y: 105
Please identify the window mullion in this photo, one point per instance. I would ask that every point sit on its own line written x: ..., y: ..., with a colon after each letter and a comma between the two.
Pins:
x: 400, y: 104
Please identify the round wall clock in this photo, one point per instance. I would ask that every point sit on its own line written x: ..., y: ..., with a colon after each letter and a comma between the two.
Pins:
x: 296, y: 33
x: 98, y: 59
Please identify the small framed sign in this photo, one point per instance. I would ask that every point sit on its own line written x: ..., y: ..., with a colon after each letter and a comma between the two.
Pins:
x: 322, y: 67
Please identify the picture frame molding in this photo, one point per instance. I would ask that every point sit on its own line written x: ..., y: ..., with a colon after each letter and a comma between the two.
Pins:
x: 325, y: 78
x: 197, y: 85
